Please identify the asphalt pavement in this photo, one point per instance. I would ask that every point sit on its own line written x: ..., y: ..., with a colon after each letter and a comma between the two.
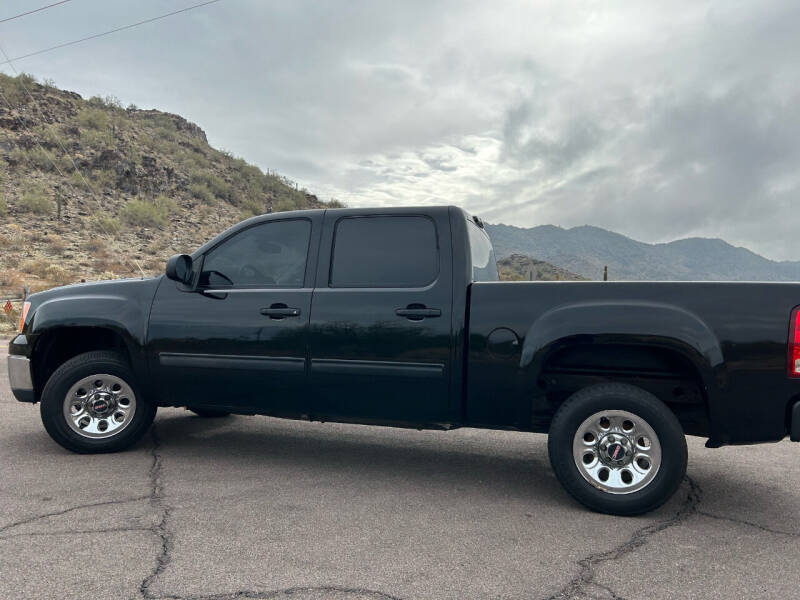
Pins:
x: 254, y: 507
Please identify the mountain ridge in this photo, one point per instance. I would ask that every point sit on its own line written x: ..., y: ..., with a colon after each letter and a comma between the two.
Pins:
x: 587, y: 249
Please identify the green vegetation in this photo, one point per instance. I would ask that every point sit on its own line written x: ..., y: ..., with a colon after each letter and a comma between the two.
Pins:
x: 93, y: 118
x: 146, y: 213
x: 14, y: 87
x: 35, y: 201
x: 108, y: 225
x: 284, y: 204
x: 202, y: 192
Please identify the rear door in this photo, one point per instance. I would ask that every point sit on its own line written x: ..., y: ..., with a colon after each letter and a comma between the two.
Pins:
x: 380, y: 336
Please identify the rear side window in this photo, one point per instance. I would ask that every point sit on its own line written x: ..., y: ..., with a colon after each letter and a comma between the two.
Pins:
x: 391, y: 251
x: 484, y: 265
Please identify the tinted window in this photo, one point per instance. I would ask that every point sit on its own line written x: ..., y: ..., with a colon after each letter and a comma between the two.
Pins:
x: 384, y: 252
x: 484, y: 265
x: 269, y: 255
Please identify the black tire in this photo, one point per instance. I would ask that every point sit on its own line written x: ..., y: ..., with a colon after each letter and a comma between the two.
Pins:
x: 618, y: 397
x: 71, y: 372
x: 208, y: 413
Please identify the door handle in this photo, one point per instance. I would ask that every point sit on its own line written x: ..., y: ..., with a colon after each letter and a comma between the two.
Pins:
x: 280, y: 311
x: 417, y: 313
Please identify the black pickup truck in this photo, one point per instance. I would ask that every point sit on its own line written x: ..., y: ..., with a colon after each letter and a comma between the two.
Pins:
x: 395, y: 317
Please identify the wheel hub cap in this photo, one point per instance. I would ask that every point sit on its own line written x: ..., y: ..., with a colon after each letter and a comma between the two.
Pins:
x: 617, y: 451
x: 101, y: 403
x: 99, y: 406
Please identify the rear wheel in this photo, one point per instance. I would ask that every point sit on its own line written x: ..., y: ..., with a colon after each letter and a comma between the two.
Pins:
x: 91, y: 404
x: 617, y: 449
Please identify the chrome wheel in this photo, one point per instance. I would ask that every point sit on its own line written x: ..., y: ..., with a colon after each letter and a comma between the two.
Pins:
x: 99, y: 406
x: 616, y: 451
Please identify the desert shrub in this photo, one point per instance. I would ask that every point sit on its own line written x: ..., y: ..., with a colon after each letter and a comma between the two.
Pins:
x: 93, y: 118
x: 334, y: 203
x: 146, y: 213
x: 12, y: 278
x: 36, y: 267
x: 165, y: 133
x: 105, y: 102
x: 202, y: 192
x: 35, y: 201
x: 284, y: 204
x: 96, y: 246
x: 103, y: 178
x: 218, y: 186
x: 14, y: 87
x: 35, y: 158
x: 97, y: 139
x: 3, y: 207
x: 252, y: 206
x: 58, y: 274
x: 56, y: 243
x: 107, y: 224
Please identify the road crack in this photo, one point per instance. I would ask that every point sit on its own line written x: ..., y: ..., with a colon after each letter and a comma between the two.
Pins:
x: 286, y: 593
x: 749, y: 524
x: 156, y: 498
x: 65, y: 511
x: 577, y: 587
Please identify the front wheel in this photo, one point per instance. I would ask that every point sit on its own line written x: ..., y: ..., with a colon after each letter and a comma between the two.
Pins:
x: 617, y: 449
x: 92, y: 404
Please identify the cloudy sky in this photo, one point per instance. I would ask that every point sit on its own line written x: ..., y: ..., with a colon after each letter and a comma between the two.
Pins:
x: 659, y: 120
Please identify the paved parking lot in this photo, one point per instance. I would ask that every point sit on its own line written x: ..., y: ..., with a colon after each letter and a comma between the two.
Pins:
x: 252, y: 507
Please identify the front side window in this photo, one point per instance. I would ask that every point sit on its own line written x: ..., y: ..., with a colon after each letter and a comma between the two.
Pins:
x: 271, y: 254
x: 384, y: 251
x: 484, y: 265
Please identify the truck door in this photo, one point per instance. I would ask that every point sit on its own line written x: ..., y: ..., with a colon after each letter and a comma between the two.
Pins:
x: 380, y: 336
x: 240, y: 339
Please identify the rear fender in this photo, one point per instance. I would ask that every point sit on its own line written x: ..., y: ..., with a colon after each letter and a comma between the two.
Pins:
x: 641, y: 323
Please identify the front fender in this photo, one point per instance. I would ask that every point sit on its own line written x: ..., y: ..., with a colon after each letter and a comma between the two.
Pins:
x: 120, y: 314
x: 121, y: 306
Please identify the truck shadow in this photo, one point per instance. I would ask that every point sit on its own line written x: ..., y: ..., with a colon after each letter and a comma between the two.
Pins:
x: 508, y: 464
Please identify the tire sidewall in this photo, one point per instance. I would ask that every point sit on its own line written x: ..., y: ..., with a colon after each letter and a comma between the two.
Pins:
x: 642, y: 404
x: 59, y: 384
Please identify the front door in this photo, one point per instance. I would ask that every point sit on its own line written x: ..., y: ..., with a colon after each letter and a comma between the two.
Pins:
x: 239, y: 340
x: 381, y: 318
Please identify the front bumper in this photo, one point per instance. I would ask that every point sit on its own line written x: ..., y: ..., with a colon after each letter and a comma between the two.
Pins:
x: 19, y: 376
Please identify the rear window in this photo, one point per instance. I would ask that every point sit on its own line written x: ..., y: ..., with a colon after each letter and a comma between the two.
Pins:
x: 484, y: 265
x: 384, y: 251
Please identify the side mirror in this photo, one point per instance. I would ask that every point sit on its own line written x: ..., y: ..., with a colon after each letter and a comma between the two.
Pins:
x: 179, y: 268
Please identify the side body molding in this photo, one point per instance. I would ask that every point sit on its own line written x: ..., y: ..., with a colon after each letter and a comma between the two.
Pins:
x: 626, y: 321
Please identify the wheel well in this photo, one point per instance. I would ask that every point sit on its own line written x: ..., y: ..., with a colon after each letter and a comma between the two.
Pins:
x: 664, y: 372
x: 57, y: 346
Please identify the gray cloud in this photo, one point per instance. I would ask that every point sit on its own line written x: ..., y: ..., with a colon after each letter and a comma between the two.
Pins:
x: 658, y: 120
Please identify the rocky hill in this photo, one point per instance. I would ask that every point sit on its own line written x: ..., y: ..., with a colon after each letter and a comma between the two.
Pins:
x: 586, y: 250
x: 519, y: 267
x: 89, y: 189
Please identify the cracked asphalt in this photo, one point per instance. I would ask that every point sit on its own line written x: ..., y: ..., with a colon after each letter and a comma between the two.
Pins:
x: 253, y: 507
